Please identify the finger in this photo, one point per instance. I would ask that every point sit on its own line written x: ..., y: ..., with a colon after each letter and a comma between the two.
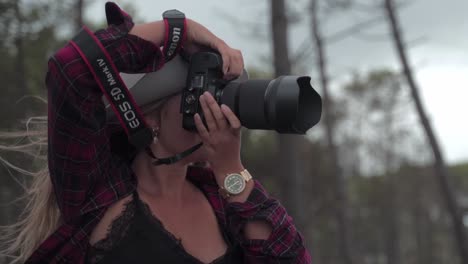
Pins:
x: 202, y: 131
x: 236, y: 64
x: 216, y: 111
x: 231, y: 117
x: 207, y: 113
x: 241, y: 58
x: 226, y: 62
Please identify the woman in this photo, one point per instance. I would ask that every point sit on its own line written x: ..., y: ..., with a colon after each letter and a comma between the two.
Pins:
x: 126, y: 210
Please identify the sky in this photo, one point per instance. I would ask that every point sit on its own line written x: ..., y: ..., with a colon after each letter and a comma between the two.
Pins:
x: 436, y: 32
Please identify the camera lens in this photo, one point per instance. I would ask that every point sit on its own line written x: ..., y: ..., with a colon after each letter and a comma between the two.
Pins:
x: 287, y: 104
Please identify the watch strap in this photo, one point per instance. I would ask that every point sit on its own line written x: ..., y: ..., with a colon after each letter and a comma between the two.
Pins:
x: 246, y: 175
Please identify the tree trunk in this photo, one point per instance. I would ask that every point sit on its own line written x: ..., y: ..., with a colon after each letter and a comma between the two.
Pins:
x: 341, y: 209
x: 392, y: 228
x: 439, y: 164
x: 392, y: 212
x: 79, y: 15
x: 288, y: 160
x: 20, y: 66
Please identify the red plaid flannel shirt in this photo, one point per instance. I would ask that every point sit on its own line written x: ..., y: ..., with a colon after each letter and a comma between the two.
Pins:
x: 88, y: 178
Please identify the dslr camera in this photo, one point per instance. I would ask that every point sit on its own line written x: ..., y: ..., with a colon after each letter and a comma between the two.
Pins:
x: 287, y: 104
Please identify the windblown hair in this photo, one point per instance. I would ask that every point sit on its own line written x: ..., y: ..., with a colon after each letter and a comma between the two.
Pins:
x: 40, y: 216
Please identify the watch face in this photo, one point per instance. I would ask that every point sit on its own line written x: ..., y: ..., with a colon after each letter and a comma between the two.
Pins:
x: 234, y: 183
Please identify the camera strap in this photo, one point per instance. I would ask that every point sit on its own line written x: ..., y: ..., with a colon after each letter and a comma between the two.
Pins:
x: 112, y: 86
x: 175, y: 26
x: 174, y: 158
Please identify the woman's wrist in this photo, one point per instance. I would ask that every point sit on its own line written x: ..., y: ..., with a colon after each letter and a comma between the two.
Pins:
x: 244, y: 195
x: 222, y: 171
x: 199, y: 35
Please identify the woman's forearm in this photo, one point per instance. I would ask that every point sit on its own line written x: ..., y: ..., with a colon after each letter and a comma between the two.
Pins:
x: 153, y: 32
x: 197, y: 35
x: 265, y: 229
x: 254, y: 229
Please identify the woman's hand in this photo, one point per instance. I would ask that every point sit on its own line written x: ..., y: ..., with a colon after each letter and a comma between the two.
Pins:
x: 198, y: 35
x: 221, y: 138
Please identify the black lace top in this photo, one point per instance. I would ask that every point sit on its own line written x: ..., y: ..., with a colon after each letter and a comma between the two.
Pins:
x: 137, y: 236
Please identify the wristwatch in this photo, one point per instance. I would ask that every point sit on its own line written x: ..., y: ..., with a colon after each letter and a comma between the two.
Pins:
x: 234, y: 183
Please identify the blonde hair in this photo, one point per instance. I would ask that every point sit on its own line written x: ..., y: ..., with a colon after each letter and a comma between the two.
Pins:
x: 40, y: 216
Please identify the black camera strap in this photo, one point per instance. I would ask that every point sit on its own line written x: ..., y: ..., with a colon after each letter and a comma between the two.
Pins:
x: 112, y: 86
x: 176, y: 26
x: 174, y: 158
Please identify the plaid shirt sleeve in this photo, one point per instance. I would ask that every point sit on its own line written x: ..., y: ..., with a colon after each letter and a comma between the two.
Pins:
x: 84, y: 174
x: 285, y: 244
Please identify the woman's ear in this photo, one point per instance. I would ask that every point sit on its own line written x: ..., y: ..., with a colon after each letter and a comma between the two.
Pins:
x: 153, y: 120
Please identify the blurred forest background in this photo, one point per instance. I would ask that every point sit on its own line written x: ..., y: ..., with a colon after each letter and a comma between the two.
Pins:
x: 371, y: 184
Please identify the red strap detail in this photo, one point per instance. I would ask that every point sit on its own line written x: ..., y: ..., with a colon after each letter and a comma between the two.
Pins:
x: 166, y: 30
x: 184, y: 37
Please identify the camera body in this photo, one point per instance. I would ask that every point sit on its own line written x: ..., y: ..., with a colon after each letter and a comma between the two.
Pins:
x: 205, y: 74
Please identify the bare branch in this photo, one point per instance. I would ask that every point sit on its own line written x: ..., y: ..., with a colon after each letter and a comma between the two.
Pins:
x: 303, y: 53
x: 254, y: 30
x: 441, y: 172
x: 353, y: 29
